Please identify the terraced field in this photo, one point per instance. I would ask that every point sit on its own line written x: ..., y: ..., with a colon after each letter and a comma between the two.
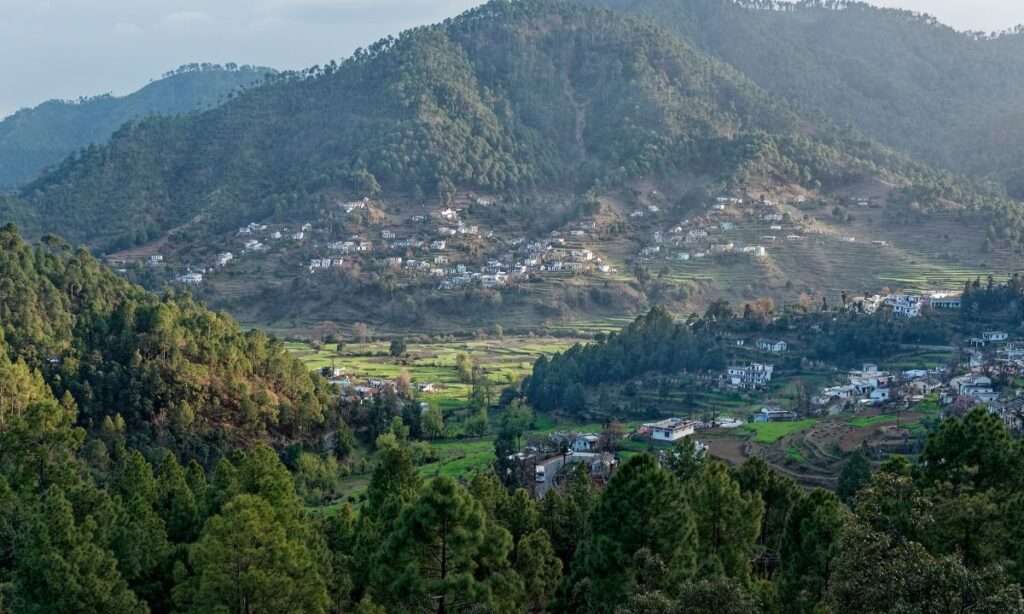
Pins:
x: 940, y: 255
x: 504, y: 361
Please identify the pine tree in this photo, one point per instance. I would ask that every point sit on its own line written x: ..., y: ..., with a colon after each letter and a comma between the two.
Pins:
x: 434, y: 557
x: 855, y: 474
x: 728, y: 522
x: 809, y: 549
x: 644, y: 514
x: 61, y: 567
x: 540, y: 569
x: 247, y: 560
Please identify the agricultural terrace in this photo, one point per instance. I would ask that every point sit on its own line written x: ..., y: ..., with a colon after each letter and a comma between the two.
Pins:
x: 505, y: 362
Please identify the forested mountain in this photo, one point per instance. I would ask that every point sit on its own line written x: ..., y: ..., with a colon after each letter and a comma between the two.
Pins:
x: 509, y: 97
x: 88, y: 524
x: 952, y: 99
x: 33, y: 139
x: 167, y: 369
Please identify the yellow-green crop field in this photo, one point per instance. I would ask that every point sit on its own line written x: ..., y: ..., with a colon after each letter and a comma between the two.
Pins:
x: 505, y: 362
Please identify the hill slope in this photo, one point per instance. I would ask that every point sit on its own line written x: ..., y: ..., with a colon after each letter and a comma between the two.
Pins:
x: 953, y: 99
x: 509, y: 97
x: 33, y: 139
x: 180, y: 375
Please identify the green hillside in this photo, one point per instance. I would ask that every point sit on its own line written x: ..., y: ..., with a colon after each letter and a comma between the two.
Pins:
x: 36, y: 138
x: 952, y: 99
x: 178, y: 374
x: 510, y: 97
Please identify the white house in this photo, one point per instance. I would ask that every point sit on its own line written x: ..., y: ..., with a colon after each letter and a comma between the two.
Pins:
x: 994, y: 336
x: 904, y: 305
x: 773, y: 346
x: 774, y: 414
x: 755, y: 375
x: 586, y: 442
x: 190, y: 279
x: 945, y: 301
x: 671, y: 429
x: 493, y: 281
x: 879, y: 396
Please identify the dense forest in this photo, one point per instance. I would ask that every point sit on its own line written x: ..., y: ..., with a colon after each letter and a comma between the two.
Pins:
x: 654, y: 343
x: 510, y: 97
x: 36, y: 138
x: 164, y: 370
x: 90, y: 525
x: 949, y: 98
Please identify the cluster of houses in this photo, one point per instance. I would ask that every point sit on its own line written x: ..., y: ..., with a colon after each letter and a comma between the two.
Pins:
x: 550, y: 458
x: 706, y: 236
x: 253, y: 238
x: 257, y: 237
x: 964, y: 388
x: 685, y: 242
x: 710, y: 235
x: 904, y: 305
x: 866, y: 386
x: 435, y: 254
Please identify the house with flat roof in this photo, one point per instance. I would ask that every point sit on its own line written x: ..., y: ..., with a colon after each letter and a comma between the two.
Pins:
x: 671, y: 429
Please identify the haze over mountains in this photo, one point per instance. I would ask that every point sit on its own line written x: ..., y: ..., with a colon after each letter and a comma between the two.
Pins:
x: 949, y: 98
x: 32, y: 139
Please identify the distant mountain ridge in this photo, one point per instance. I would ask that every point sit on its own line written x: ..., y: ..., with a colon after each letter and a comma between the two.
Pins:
x: 33, y: 139
x: 949, y: 98
x: 509, y: 97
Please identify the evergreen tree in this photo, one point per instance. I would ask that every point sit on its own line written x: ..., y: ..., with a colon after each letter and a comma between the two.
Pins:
x: 728, y: 523
x: 855, y: 474
x: 61, y: 567
x: 434, y: 555
x: 643, y: 513
x: 247, y: 560
x: 809, y: 550
x: 433, y: 423
x: 540, y: 569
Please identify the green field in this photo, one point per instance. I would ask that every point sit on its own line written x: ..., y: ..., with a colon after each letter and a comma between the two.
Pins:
x: 866, y: 421
x: 504, y: 361
x: 770, y: 432
x: 459, y: 458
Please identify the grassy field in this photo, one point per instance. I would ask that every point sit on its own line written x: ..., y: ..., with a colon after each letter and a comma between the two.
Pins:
x: 770, y: 432
x: 866, y: 421
x: 459, y: 458
x: 504, y: 361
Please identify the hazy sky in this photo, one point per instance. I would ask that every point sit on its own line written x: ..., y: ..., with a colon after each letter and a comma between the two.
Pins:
x: 68, y: 48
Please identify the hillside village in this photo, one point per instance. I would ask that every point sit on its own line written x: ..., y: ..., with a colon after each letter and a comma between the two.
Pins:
x: 983, y: 370
x: 988, y: 379
x: 471, y: 243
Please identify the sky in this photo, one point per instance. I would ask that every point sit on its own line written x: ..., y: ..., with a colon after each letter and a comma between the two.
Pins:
x: 70, y: 48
